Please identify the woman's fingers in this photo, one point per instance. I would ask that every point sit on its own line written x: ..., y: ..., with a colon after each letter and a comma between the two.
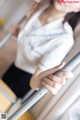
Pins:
x: 50, y: 89
x: 56, y: 79
x: 66, y: 75
x: 52, y: 83
x: 52, y: 70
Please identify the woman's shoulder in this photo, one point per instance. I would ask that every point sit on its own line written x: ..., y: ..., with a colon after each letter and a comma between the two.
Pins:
x: 67, y: 28
x: 68, y: 33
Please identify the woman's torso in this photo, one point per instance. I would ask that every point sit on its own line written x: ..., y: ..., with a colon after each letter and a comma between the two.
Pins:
x: 37, y: 40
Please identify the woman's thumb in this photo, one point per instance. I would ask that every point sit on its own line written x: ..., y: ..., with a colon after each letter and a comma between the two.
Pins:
x: 52, y: 70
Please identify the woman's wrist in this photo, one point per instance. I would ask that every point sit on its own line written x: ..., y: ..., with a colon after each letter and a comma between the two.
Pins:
x: 35, y: 84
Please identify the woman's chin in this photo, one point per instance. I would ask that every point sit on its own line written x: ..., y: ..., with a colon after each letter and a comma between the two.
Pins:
x: 59, y: 6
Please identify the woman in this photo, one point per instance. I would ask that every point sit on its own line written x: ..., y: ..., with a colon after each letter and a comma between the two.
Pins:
x: 43, y: 44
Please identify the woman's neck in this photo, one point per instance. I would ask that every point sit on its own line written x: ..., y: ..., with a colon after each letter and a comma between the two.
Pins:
x: 50, y: 14
x: 53, y: 13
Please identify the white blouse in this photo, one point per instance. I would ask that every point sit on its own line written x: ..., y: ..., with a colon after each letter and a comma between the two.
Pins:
x: 43, y: 46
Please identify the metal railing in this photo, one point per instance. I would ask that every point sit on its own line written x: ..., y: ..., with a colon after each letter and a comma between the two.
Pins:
x: 39, y: 94
x: 6, y: 38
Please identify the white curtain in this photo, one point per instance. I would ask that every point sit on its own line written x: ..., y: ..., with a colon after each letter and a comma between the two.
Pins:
x: 74, y: 112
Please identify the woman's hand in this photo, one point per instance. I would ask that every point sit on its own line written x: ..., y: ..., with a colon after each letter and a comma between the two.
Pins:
x: 52, y: 82
x: 14, y: 29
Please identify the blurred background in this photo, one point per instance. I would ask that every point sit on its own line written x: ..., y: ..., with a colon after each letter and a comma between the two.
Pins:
x: 10, y: 12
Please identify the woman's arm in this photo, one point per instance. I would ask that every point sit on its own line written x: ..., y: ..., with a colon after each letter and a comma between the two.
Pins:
x: 15, y: 28
x: 35, y: 83
x: 48, y: 80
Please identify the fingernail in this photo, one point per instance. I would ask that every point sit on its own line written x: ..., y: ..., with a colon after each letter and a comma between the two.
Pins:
x: 58, y: 86
x: 55, y: 92
x: 71, y: 75
x: 64, y: 82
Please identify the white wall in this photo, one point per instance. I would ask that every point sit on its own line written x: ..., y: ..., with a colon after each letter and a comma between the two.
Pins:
x: 13, y: 10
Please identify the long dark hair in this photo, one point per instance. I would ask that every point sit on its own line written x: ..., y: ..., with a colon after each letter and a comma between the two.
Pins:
x: 72, y: 18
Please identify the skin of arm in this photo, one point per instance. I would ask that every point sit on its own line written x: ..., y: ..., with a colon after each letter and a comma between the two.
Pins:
x: 34, y: 83
x: 15, y: 28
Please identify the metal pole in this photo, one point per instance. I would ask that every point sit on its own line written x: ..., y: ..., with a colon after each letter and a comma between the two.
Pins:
x: 27, y: 96
x: 6, y: 38
x: 38, y: 95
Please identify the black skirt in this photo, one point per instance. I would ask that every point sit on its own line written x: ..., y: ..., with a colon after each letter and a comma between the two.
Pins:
x: 17, y: 80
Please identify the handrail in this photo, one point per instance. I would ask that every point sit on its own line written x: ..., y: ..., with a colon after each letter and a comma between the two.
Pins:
x: 38, y: 95
x: 6, y: 38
